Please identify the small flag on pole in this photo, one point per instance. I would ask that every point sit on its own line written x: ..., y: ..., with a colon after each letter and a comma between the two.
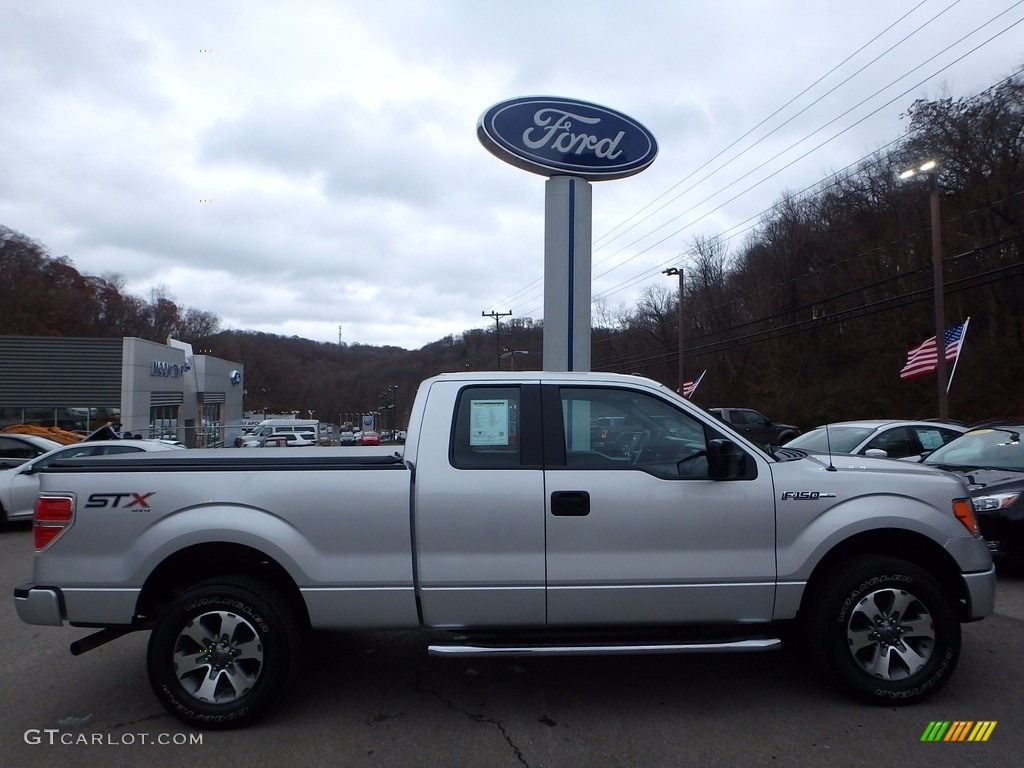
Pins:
x: 923, y: 358
x: 689, y: 387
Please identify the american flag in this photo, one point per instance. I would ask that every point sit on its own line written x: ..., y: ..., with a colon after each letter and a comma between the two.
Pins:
x: 690, y: 386
x: 923, y: 359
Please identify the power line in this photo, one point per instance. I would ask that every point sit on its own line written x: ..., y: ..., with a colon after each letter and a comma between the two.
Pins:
x: 907, y: 298
x: 632, y: 281
x: 797, y: 114
x: 850, y: 259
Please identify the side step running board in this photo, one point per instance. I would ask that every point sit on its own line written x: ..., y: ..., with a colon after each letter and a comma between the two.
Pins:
x: 763, y: 644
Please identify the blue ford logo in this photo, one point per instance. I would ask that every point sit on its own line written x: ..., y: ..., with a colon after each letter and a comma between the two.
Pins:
x: 566, y: 137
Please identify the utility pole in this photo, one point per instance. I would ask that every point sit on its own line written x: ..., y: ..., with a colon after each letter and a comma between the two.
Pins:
x: 677, y: 271
x: 497, y: 331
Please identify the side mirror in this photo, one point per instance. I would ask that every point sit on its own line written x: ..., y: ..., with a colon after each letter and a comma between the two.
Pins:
x: 726, y: 461
x: 876, y: 453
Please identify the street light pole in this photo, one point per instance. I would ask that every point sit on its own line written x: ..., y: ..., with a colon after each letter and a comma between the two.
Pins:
x: 677, y: 271
x: 511, y: 354
x: 930, y: 167
x: 393, y: 391
x: 940, y: 298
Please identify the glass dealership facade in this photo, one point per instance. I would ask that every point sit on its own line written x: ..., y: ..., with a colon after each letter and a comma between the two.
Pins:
x: 153, y: 390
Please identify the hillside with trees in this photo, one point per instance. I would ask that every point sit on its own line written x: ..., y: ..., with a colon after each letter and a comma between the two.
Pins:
x: 809, y: 318
x: 812, y: 316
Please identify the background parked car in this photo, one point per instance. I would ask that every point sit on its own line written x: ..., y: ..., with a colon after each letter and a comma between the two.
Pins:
x: 369, y: 438
x: 20, y: 485
x: 755, y: 426
x: 346, y: 437
x: 991, y: 460
x: 17, y: 449
x: 288, y: 439
x: 879, y: 438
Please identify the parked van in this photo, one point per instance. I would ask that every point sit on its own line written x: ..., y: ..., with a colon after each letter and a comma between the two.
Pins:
x: 269, y: 427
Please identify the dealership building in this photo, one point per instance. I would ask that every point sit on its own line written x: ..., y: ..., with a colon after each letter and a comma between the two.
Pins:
x: 150, y: 389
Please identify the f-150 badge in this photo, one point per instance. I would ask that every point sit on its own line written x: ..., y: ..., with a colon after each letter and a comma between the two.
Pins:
x: 806, y: 495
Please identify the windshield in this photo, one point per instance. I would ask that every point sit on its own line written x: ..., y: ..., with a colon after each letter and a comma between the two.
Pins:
x: 838, y: 439
x: 998, y: 447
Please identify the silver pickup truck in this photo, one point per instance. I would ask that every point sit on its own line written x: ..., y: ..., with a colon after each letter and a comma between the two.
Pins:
x: 529, y: 513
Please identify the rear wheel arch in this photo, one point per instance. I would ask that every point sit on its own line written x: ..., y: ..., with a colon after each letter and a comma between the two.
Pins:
x: 203, y: 562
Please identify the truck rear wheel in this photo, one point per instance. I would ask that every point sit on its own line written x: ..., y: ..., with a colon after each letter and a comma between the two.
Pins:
x: 222, y: 653
x: 882, y: 628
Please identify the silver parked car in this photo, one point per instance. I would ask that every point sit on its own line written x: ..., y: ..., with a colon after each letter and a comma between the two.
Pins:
x: 16, y: 448
x: 19, y: 486
x: 879, y: 438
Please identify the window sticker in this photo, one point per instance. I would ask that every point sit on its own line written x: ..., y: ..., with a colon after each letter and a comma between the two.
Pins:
x: 488, y: 423
x: 930, y: 439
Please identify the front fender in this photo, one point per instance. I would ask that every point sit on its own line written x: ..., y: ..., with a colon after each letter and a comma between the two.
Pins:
x: 806, y: 535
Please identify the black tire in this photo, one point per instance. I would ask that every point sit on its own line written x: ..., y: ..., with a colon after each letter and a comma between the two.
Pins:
x: 883, y: 629
x: 222, y: 652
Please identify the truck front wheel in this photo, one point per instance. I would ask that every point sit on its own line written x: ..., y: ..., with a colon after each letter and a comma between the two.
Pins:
x: 882, y: 628
x: 222, y: 652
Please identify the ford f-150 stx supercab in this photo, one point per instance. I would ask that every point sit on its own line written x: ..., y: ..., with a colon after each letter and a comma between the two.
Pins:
x: 507, y: 526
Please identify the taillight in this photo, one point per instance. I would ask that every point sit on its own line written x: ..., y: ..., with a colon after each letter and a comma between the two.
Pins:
x: 53, y: 515
x: 964, y: 511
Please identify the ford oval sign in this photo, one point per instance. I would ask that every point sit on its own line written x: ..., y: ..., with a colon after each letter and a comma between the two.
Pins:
x: 566, y: 137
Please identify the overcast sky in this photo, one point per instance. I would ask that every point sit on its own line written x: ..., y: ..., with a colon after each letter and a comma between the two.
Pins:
x: 296, y: 167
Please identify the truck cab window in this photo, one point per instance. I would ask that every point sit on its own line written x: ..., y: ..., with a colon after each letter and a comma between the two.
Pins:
x: 612, y: 428
x: 485, y: 433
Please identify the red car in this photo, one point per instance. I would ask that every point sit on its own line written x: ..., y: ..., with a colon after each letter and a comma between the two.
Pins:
x: 369, y: 438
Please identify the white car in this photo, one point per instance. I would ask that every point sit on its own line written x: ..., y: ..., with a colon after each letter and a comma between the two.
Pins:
x: 289, y: 439
x: 19, y: 486
x: 879, y: 438
x: 16, y: 448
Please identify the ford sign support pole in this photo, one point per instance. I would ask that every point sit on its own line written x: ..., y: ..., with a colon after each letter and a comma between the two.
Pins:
x: 567, y: 251
x: 573, y: 143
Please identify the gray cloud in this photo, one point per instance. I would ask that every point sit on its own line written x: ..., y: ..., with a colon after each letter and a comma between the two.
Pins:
x: 336, y: 141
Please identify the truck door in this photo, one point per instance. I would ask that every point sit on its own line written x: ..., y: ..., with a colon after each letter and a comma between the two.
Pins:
x: 479, y: 509
x: 636, y: 532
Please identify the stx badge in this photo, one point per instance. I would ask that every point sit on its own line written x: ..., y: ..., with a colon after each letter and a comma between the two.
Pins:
x: 113, y: 500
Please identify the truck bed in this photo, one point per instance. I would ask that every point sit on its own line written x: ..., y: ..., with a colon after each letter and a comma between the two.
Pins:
x: 233, y: 460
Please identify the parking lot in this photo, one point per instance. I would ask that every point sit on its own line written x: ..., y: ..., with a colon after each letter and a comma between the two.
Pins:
x: 376, y: 699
